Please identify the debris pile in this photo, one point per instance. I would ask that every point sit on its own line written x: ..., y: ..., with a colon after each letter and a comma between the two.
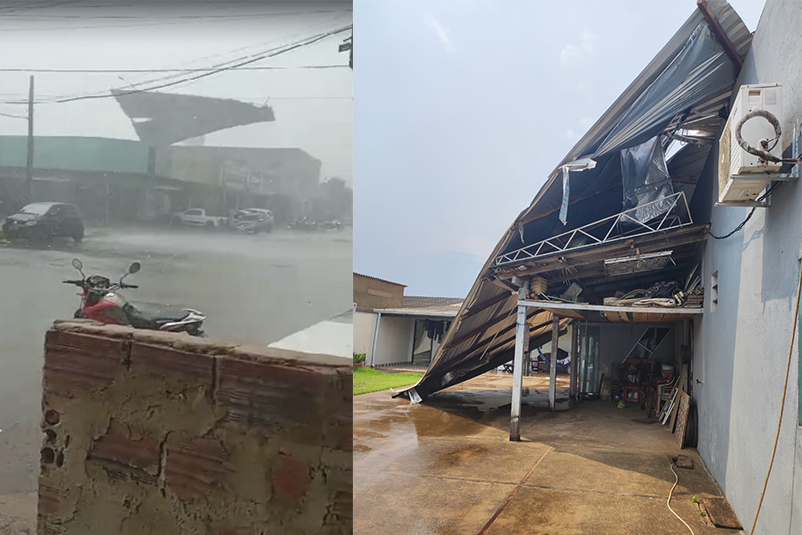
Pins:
x: 661, y: 294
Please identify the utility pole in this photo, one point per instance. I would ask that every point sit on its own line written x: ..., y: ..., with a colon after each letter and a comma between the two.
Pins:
x: 348, y: 44
x: 29, y: 163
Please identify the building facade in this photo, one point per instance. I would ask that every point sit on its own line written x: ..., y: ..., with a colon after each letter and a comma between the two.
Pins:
x: 125, y: 180
x: 742, y: 341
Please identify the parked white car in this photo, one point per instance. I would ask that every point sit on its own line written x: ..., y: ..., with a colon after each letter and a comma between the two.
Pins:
x: 197, y: 217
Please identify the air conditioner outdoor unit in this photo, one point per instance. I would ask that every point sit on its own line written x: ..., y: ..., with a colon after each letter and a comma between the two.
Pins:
x: 742, y: 176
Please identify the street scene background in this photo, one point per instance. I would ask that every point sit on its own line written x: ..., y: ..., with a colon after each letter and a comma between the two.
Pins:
x: 285, y: 59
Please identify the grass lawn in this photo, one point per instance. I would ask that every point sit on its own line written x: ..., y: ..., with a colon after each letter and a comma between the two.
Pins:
x: 370, y: 380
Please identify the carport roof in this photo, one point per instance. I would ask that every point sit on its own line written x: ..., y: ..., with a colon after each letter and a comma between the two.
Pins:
x: 482, y: 335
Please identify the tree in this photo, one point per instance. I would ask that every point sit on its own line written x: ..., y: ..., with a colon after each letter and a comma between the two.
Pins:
x: 334, y: 200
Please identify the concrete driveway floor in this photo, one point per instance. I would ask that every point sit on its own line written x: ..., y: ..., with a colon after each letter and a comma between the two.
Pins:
x: 447, y: 466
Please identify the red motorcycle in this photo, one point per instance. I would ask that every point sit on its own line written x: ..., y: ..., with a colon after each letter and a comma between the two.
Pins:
x: 102, y: 302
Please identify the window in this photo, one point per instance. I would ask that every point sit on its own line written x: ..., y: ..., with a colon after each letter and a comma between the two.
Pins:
x: 714, y: 292
x: 194, y: 211
x: 36, y: 209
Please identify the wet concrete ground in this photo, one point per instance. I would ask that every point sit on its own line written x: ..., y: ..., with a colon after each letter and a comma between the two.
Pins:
x: 254, y: 290
x: 447, y: 466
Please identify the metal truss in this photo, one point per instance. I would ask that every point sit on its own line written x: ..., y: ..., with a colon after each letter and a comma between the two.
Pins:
x: 610, y: 229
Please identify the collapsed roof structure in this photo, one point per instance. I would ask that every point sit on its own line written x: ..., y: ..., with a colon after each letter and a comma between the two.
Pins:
x: 615, y: 197
x: 161, y: 119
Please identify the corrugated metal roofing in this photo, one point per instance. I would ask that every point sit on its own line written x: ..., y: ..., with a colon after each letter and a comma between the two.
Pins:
x: 420, y: 301
x: 479, y: 339
x: 378, y: 279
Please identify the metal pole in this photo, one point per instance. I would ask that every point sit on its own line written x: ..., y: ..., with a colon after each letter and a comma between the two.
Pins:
x: 518, y: 363
x: 29, y: 163
x: 585, y: 348
x: 574, y: 347
x: 555, y: 339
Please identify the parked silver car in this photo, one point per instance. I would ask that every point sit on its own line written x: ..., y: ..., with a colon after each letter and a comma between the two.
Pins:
x: 253, y: 220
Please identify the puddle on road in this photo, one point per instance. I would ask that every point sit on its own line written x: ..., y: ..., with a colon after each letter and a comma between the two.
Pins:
x: 460, y: 455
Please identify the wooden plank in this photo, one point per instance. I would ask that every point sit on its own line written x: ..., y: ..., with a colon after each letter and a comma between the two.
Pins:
x: 670, y: 404
x: 682, y: 417
x: 720, y: 34
x: 720, y: 513
x: 673, y: 413
x: 483, y: 306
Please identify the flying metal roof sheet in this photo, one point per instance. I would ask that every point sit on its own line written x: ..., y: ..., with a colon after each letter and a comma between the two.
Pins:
x: 161, y: 119
x: 482, y: 335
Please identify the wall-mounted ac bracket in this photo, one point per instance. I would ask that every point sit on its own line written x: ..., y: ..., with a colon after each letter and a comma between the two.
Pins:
x: 748, y: 204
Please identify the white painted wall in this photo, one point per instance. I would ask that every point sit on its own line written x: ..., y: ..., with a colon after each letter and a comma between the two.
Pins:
x: 395, y: 340
x: 364, y: 327
x: 741, y: 348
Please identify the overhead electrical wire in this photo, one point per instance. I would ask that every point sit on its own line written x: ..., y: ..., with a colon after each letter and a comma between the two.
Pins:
x: 47, y: 4
x: 307, y: 28
x: 189, y: 70
x: 226, y: 66
x: 14, y: 116
x: 167, y: 16
x: 315, y: 26
x: 229, y: 18
x: 282, y: 50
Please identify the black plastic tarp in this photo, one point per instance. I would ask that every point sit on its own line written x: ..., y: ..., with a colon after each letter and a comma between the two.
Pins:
x: 644, y: 173
x: 700, y: 72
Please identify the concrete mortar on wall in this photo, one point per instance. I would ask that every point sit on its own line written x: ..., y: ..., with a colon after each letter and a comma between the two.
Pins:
x: 158, y: 433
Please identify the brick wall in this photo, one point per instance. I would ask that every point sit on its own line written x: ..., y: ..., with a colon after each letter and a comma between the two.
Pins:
x: 148, y: 433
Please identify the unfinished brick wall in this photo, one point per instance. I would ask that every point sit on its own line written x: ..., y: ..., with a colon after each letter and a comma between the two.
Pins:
x: 149, y: 433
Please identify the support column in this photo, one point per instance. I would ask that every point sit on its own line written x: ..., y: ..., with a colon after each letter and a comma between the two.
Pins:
x: 518, y: 364
x: 555, y: 338
x: 574, y: 346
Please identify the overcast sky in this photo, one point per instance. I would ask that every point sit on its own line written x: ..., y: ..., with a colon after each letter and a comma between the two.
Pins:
x: 313, y: 107
x: 463, y: 108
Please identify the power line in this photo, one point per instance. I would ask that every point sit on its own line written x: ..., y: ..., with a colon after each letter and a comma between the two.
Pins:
x: 152, y: 21
x: 213, y: 67
x: 167, y: 16
x: 309, y: 27
x: 204, y: 69
x: 13, y: 116
x: 265, y: 55
x: 35, y: 5
x: 284, y: 50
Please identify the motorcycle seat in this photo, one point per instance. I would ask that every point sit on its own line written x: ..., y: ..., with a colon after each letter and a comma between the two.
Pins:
x: 144, y: 315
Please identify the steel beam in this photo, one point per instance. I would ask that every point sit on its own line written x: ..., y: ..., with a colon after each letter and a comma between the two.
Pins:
x: 517, y: 378
x: 555, y: 339
x: 574, y: 330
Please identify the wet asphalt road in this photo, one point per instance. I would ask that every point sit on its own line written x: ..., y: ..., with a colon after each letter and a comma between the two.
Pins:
x: 253, y: 289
